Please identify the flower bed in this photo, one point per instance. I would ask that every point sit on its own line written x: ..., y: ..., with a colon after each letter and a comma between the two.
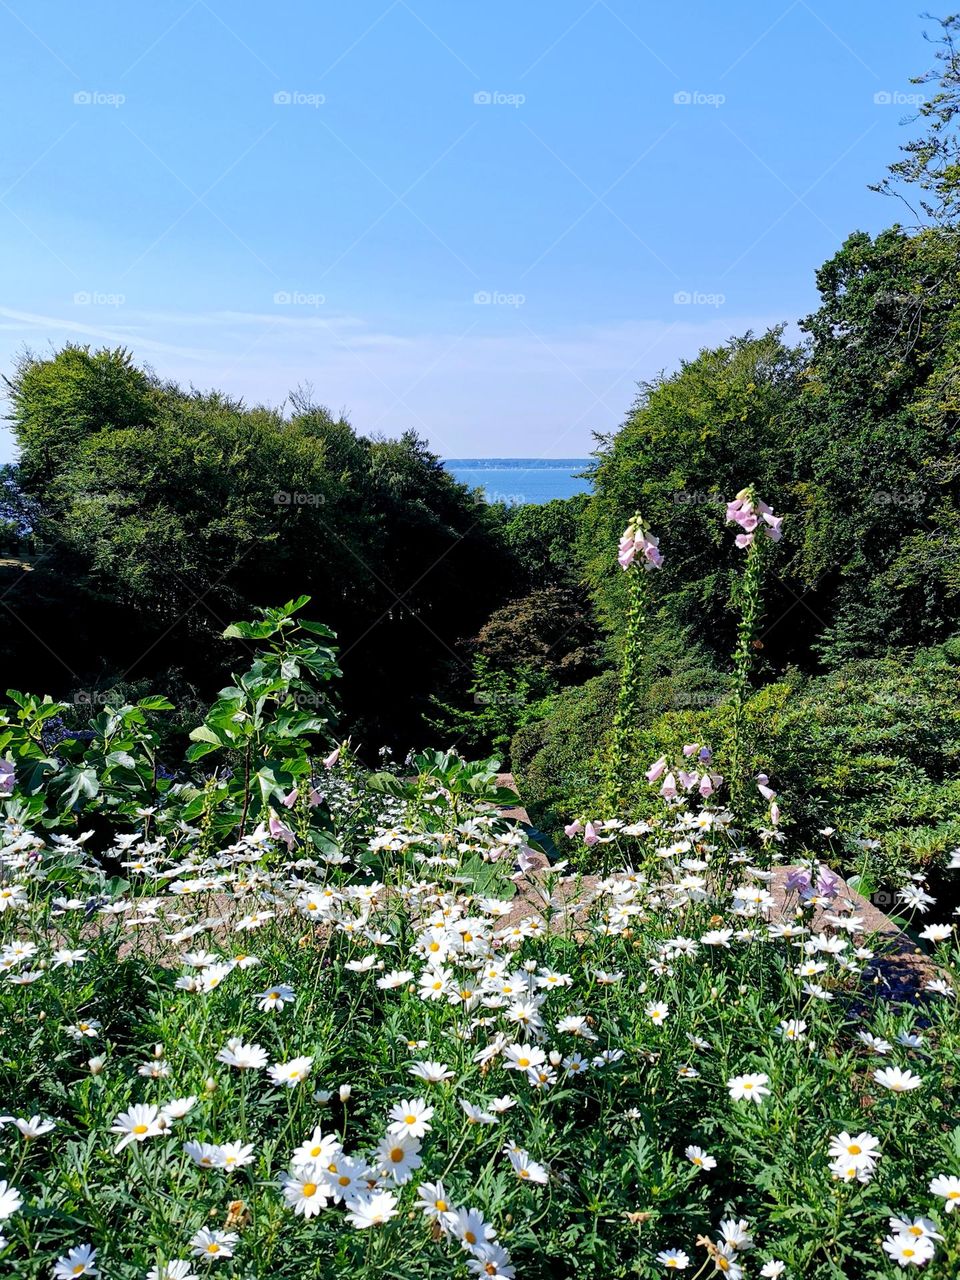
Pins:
x: 259, y: 1062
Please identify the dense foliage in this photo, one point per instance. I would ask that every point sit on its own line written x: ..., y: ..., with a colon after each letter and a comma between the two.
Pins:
x: 854, y: 435
x: 155, y: 514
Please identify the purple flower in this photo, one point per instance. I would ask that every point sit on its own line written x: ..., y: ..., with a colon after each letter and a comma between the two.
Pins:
x: 637, y: 539
x: 828, y: 884
x: 281, y: 832
x: 656, y: 769
x: 748, y: 514
x: 798, y: 882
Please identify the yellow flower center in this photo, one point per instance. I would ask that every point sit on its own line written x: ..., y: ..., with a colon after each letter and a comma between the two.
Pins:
x: 139, y: 1128
x: 396, y: 1155
x: 343, y: 1180
x: 523, y: 1062
x: 213, y: 1247
x: 441, y: 1206
x: 309, y: 1188
x: 470, y: 1237
x: 409, y: 1119
x: 854, y: 1149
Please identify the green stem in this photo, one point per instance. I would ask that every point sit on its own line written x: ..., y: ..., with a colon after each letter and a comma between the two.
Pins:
x: 740, y: 755
x: 627, y: 714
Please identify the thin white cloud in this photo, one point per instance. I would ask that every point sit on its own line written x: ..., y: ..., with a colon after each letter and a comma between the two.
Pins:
x: 503, y: 385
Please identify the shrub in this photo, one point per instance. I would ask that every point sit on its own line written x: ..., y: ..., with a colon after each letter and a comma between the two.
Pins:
x: 555, y: 761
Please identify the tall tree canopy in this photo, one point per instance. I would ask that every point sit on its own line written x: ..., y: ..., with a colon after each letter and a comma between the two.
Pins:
x: 160, y: 513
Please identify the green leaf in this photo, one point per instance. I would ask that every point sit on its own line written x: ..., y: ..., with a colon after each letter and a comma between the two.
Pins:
x: 203, y: 733
x: 249, y: 631
x: 81, y: 782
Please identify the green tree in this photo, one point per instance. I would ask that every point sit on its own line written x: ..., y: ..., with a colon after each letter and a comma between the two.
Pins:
x: 875, y: 436
x: 160, y: 513
x: 57, y: 404
x: 691, y: 441
x: 931, y: 163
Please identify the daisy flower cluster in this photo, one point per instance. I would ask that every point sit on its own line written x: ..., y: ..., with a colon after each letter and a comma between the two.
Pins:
x: 415, y: 1050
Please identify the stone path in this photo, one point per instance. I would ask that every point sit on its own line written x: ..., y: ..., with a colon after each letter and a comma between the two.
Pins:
x: 517, y: 813
x: 898, y: 974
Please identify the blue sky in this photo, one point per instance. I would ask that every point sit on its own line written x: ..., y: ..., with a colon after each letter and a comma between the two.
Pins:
x: 471, y: 219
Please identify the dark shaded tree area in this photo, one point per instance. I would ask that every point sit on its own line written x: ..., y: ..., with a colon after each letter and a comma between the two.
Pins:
x: 549, y: 623
x: 151, y: 516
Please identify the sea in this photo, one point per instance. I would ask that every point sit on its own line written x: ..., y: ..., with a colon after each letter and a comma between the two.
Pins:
x: 520, y: 480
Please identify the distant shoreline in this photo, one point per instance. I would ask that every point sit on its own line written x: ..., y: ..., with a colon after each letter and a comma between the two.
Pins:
x: 517, y: 464
x: 519, y: 481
